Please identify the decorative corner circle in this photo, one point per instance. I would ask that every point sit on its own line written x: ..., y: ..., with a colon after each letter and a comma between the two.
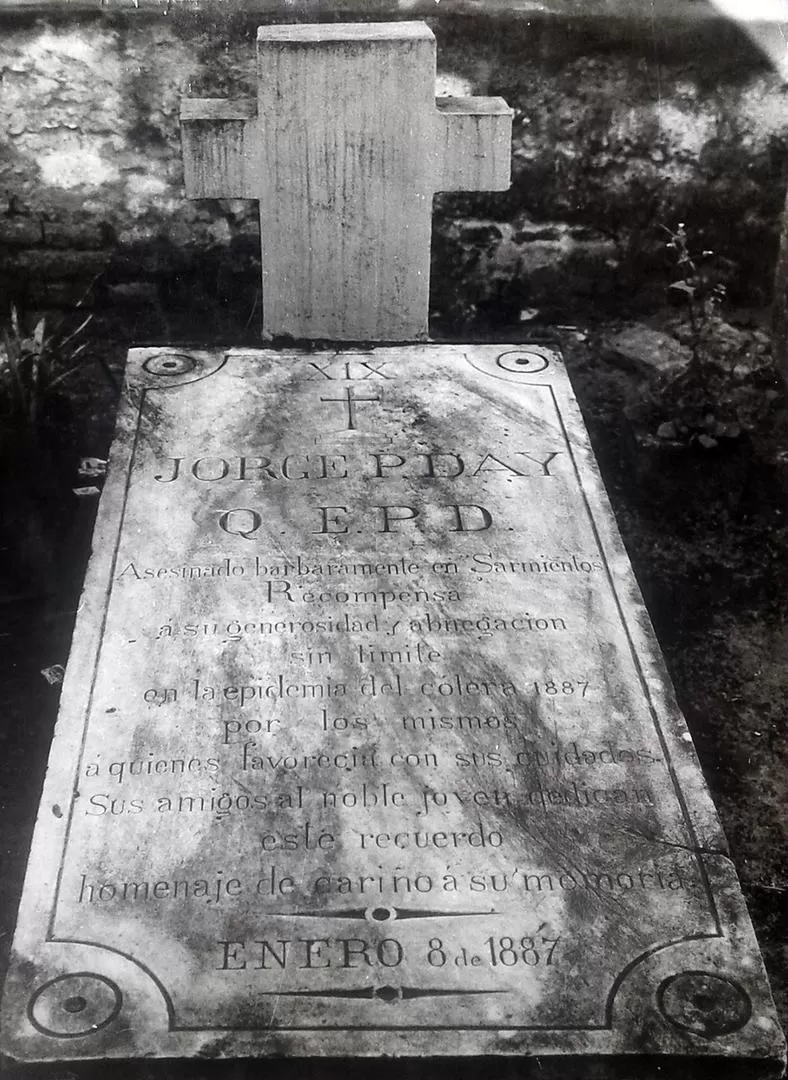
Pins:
x: 704, y: 1003
x: 71, y: 1006
x: 528, y: 361
x: 169, y: 364
x: 513, y: 365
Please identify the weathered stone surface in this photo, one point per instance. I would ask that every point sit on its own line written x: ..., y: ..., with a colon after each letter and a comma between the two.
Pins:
x: 365, y: 745
x: 650, y: 352
x: 345, y: 194
x: 617, y: 134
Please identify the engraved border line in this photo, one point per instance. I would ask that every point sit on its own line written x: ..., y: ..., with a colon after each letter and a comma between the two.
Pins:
x: 448, y: 1027
x: 94, y: 676
x: 642, y: 678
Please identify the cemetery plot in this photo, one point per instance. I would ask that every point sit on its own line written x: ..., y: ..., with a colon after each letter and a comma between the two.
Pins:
x: 365, y: 743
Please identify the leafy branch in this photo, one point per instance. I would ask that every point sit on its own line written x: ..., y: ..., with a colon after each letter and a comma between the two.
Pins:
x: 34, y: 365
x: 703, y: 295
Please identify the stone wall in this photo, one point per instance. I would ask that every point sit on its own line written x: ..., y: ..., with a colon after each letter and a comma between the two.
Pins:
x: 622, y: 129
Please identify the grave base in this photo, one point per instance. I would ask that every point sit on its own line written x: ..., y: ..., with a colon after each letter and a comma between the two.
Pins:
x: 366, y: 747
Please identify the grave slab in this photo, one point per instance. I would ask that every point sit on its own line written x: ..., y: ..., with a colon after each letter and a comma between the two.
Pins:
x: 366, y: 746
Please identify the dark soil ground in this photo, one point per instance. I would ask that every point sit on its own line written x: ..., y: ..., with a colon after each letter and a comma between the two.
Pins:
x: 706, y: 530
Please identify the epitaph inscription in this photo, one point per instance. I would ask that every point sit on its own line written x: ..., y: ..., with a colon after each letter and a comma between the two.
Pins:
x: 365, y: 743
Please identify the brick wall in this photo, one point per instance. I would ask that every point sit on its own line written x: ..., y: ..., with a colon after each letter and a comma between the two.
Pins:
x: 621, y: 129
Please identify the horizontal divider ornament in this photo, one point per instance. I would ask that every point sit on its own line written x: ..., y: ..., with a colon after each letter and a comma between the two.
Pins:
x: 381, y: 914
x: 388, y: 994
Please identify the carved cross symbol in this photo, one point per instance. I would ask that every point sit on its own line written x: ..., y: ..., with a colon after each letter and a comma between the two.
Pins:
x: 344, y: 149
x: 350, y: 401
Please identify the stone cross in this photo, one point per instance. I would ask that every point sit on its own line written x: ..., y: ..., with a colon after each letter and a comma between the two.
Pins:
x: 344, y: 149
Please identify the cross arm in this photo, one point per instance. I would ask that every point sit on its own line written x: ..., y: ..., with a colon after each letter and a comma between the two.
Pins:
x: 218, y: 147
x: 473, y: 144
